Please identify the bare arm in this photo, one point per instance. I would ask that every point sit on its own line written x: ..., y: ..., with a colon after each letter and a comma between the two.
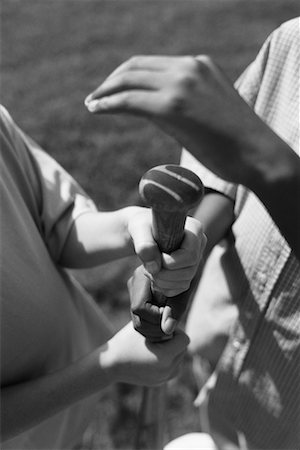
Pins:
x: 125, y: 358
x: 96, y: 238
x: 100, y: 237
x: 215, y: 212
x: 21, y: 403
x: 192, y: 100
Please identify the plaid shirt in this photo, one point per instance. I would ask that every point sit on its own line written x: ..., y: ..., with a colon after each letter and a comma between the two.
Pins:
x: 257, y: 388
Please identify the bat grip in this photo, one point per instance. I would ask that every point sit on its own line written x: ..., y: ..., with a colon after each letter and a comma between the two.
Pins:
x: 168, y: 232
x: 168, y: 229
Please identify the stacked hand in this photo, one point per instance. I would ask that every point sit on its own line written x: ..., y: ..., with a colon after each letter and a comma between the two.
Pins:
x: 170, y: 274
x: 128, y: 357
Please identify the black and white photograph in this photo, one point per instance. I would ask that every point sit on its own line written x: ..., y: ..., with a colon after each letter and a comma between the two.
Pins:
x: 150, y: 224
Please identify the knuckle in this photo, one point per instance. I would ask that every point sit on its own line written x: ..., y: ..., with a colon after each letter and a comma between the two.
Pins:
x: 175, y: 103
x: 124, y: 80
x: 190, y: 61
x: 136, y: 310
x: 139, y: 310
x: 186, y: 80
x: 146, y: 249
x: 204, y: 64
x: 136, y: 321
x: 187, y: 75
x: 125, y: 100
x: 133, y: 60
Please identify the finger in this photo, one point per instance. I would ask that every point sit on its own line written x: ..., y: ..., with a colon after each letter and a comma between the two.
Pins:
x: 152, y: 63
x: 146, y: 64
x: 148, y: 312
x: 188, y: 254
x: 125, y: 81
x: 168, y: 323
x: 144, y: 244
x: 173, y: 311
x: 150, y: 331
x: 175, y: 275
x: 145, y: 103
x: 171, y: 289
x: 139, y: 288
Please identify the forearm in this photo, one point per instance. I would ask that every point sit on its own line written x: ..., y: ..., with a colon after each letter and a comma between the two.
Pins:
x: 192, y: 100
x: 215, y: 212
x: 126, y: 357
x: 28, y: 403
x: 275, y: 179
x: 260, y: 160
x: 97, y: 238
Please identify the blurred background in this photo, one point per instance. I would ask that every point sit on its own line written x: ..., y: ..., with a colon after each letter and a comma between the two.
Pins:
x: 54, y: 53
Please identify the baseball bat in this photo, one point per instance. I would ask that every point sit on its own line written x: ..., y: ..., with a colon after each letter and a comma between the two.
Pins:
x: 171, y: 191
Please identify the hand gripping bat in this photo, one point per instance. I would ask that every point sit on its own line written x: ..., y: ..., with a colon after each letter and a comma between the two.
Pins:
x: 171, y: 191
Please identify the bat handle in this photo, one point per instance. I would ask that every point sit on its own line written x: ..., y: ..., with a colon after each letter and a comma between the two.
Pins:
x: 168, y: 228
x: 171, y: 191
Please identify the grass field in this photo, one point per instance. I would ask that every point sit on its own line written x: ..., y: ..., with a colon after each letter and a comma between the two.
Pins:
x: 54, y: 52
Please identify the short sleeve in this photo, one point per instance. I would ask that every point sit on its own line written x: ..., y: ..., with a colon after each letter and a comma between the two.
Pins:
x: 249, y: 83
x: 208, y: 178
x: 52, y: 197
x: 62, y: 199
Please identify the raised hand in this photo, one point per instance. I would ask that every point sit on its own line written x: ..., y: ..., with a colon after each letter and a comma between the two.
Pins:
x: 192, y: 100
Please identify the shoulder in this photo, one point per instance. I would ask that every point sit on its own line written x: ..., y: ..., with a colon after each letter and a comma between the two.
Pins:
x: 288, y: 32
x: 284, y: 42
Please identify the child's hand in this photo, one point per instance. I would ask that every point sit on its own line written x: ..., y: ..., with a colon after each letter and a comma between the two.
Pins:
x: 129, y: 358
x: 170, y: 274
x: 154, y: 322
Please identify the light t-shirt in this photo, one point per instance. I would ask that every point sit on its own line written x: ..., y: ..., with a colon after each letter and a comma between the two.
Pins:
x: 47, y: 319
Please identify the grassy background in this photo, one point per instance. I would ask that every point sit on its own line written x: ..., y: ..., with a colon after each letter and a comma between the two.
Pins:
x: 53, y: 54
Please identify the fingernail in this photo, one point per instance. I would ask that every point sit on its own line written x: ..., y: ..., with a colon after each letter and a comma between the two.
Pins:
x: 92, y: 105
x: 169, y: 325
x: 152, y: 267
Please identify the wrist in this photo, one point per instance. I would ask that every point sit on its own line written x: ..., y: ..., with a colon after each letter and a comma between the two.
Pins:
x: 128, y: 214
x: 107, y: 364
x: 274, y: 168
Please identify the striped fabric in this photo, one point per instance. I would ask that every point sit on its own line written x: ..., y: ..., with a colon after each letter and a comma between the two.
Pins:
x: 257, y: 390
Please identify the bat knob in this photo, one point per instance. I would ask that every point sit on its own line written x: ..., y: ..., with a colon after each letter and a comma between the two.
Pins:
x: 171, y: 191
x: 171, y: 188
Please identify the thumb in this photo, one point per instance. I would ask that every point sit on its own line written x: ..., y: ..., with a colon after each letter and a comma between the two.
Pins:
x: 150, y: 255
x: 144, y: 244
